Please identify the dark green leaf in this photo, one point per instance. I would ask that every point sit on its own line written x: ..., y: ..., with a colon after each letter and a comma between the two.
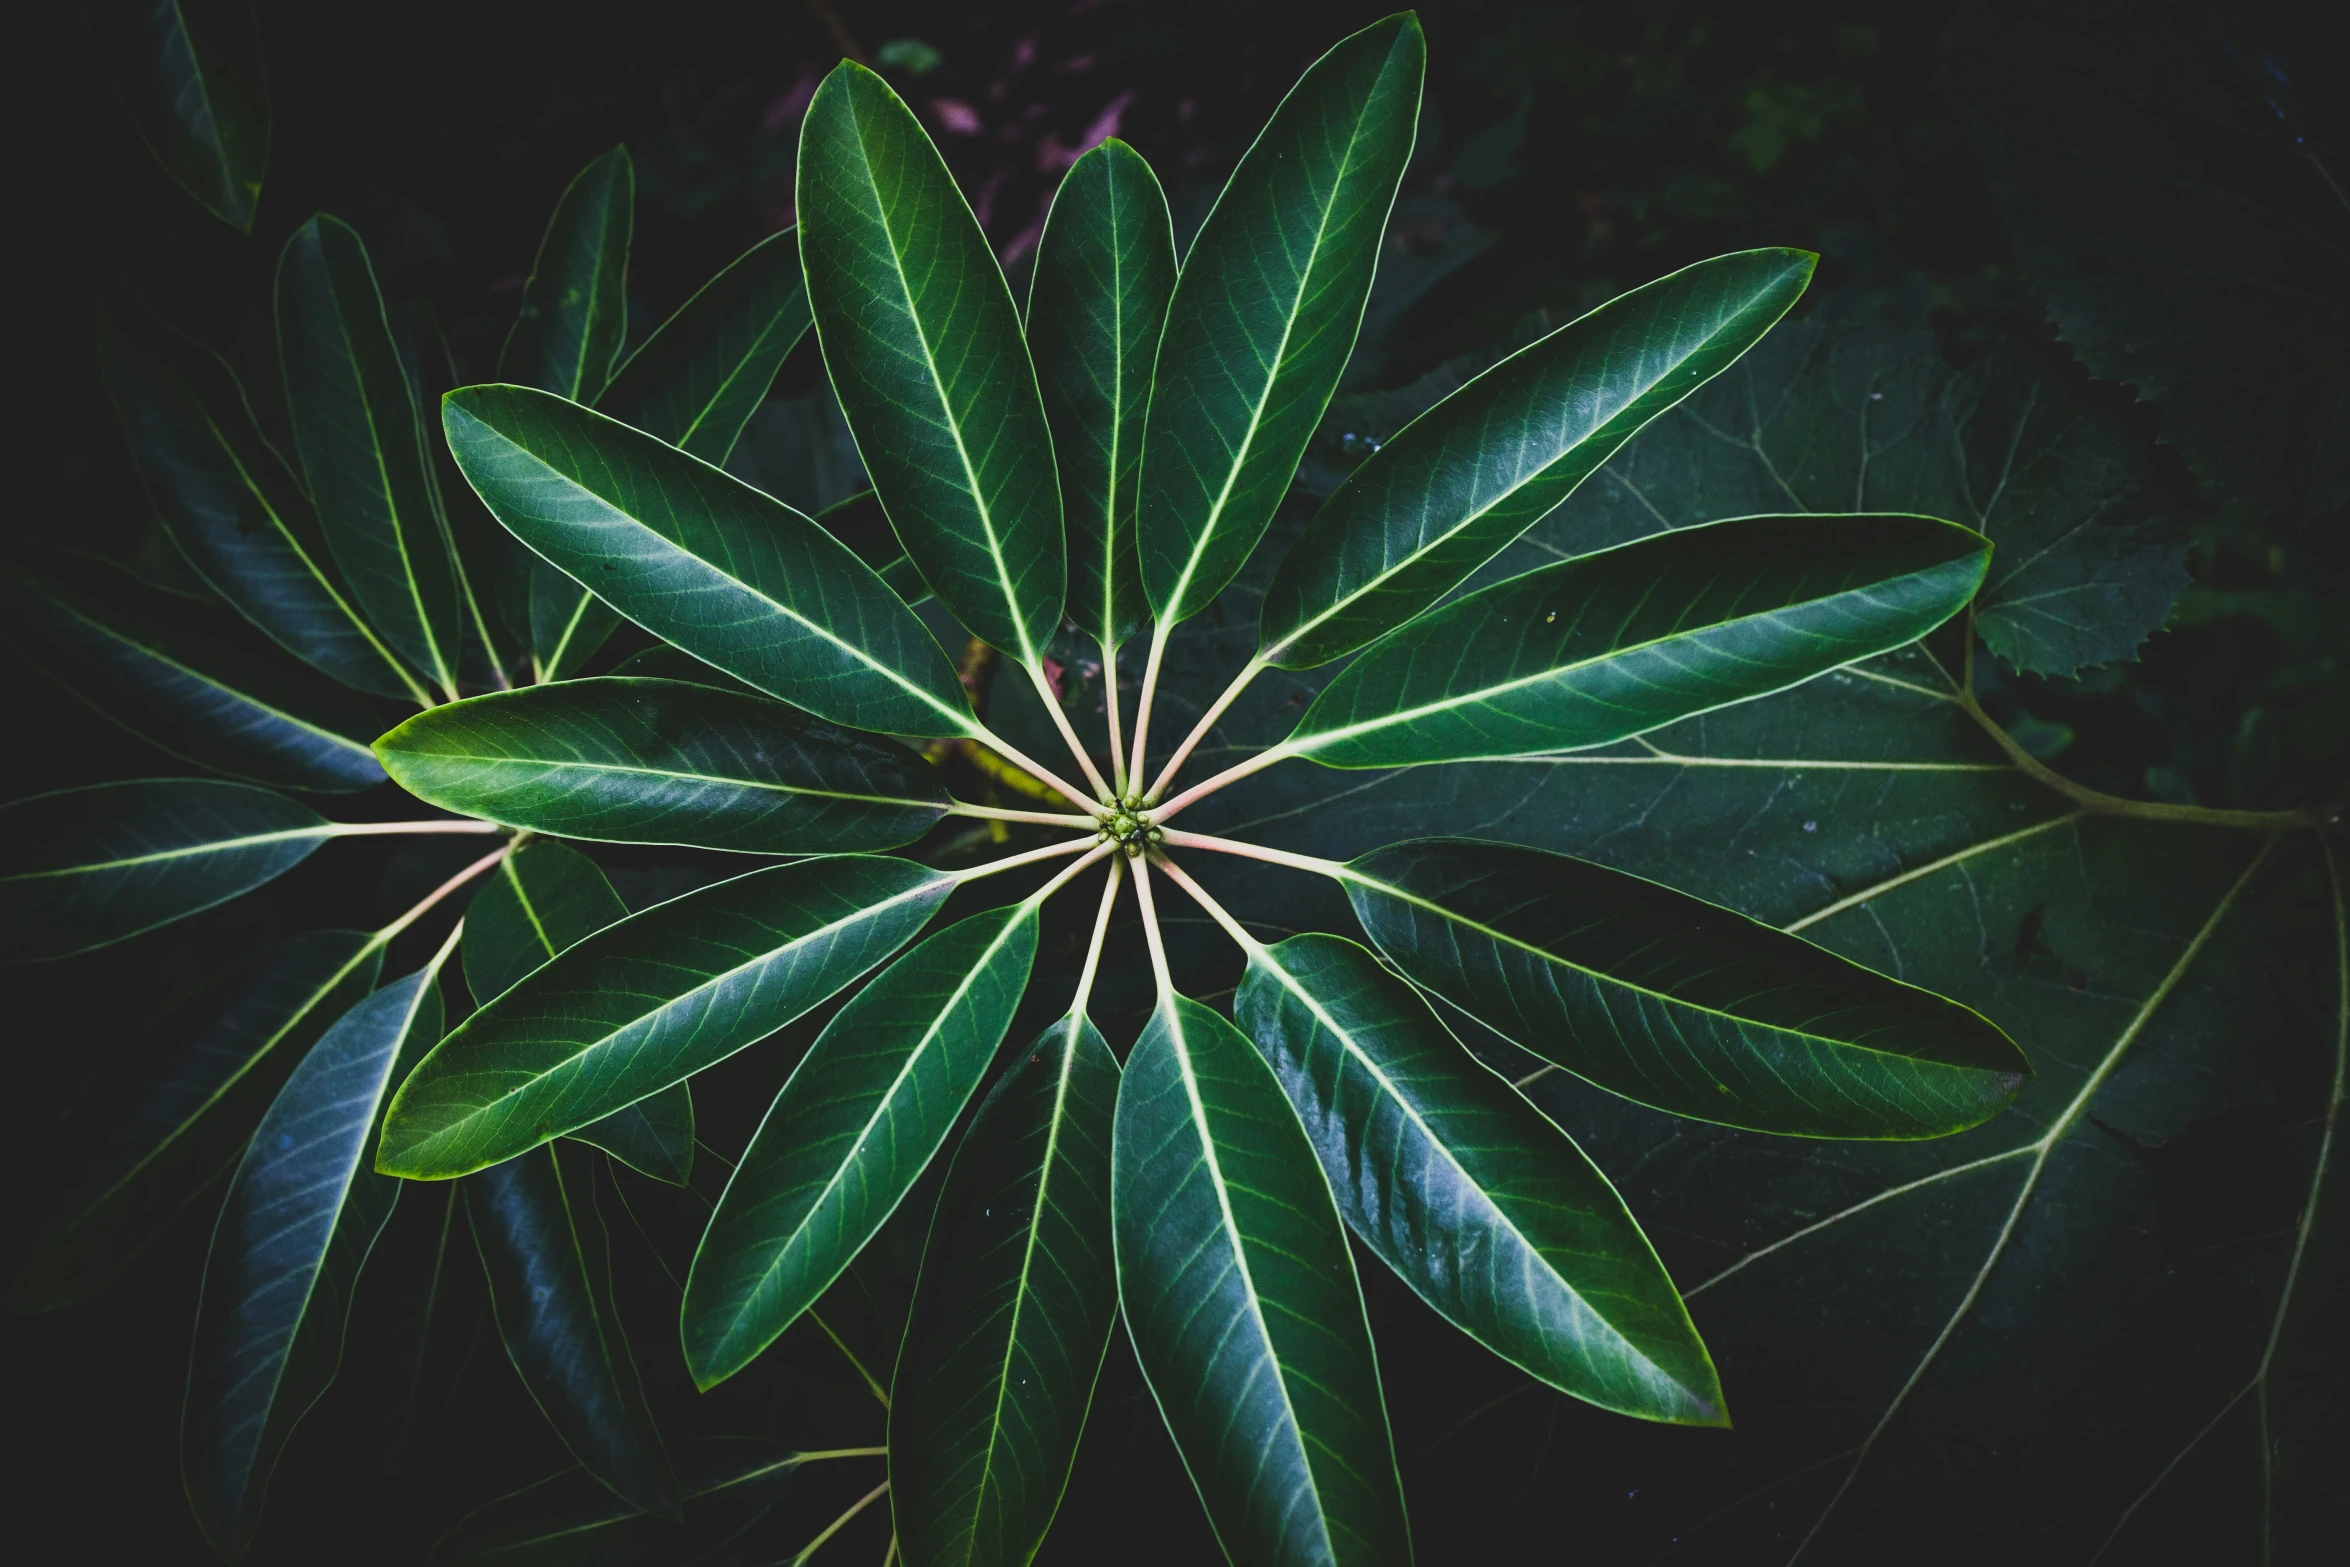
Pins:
x: 1598, y: 649
x: 1266, y: 310
x: 1678, y: 1003
x: 227, y: 501
x: 647, y: 1003
x: 84, y: 867
x: 696, y: 379
x: 702, y: 560
x: 1241, y: 1297
x: 362, y: 452
x: 1012, y: 1311
x: 195, y: 681
x: 567, y: 623
x: 1458, y: 484
x: 861, y: 524
x: 661, y: 761
x: 574, y: 314
x: 542, y: 899
x: 663, y: 662
x: 189, y: 72
x: 549, y: 1261
x: 568, y: 1520
x: 1105, y: 267
x: 302, y: 1214
x: 226, y: 1051
x: 1468, y: 1192
x: 924, y: 348
x: 854, y: 1126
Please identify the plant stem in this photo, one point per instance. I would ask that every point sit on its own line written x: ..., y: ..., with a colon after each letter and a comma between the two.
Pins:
x: 1150, y: 690
x: 840, y: 1523
x: 1013, y: 862
x: 1199, y: 731
x: 384, y: 937
x: 1117, y: 720
x: 1230, y: 775
x: 1043, y: 774
x: 1064, y: 878
x: 1093, y: 948
x: 1052, y: 705
x: 1216, y: 911
x: 842, y: 1452
x: 378, y: 829
x: 1040, y: 818
x: 1150, y: 931
x: 1296, y: 862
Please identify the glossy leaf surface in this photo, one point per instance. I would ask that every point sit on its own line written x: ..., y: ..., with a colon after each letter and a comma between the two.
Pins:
x: 84, y: 867
x: 361, y: 451
x: 568, y: 1520
x: 227, y: 502
x: 1459, y: 483
x: 1241, y: 1297
x: 661, y: 761
x: 1677, y: 1003
x: 225, y: 1052
x: 1012, y: 1312
x: 860, y: 1117
x: 1266, y: 311
x: 1469, y: 1193
x: 548, y: 1256
x: 302, y: 1213
x: 702, y: 560
x: 190, y: 73
x: 1595, y: 650
x: 542, y: 899
x: 696, y: 380
x: 1105, y: 267
x: 647, y: 1003
x: 925, y: 350
x: 192, y: 679
x: 574, y: 315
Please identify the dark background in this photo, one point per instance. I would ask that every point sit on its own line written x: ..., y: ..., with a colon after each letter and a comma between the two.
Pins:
x: 1568, y: 152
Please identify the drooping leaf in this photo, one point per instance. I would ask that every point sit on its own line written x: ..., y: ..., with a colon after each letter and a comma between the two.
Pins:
x: 702, y: 560
x: 225, y: 1052
x: 660, y: 761
x: 1012, y: 1311
x: 924, y: 347
x: 1241, y: 1298
x: 696, y: 380
x: 1469, y: 1193
x: 224, y: 498
x: 303, y: 1212
x: 195, y: 681
x: 1675, y: 1002
x: 1595, y: 650
x: 1105, y: 267
x: 1458, y: 484
x: 574, y: 315
x: 548, y: 1256
x: 542, y: 899
x: 569, y: 1520
x: 647, y: 1003
x: 860, y: 1117
x: 361, y: 449
x: 190, y: 73
x: 81, y: 868
x: 1266, y: 310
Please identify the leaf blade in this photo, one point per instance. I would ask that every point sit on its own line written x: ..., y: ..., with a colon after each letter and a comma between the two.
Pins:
x: 195, y: 88
x: 574, y: 316
x: 696, y: 380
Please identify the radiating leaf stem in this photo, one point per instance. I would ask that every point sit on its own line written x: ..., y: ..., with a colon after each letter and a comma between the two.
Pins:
x: 1230, y: 775
x: 1199, y: 731
x: 840, y: 1523
x: 376, y: 829
x: 1093, y: 951
x: 385, y: 936
x: 1099, y: 851
x: 1296, y: 862
x: 1015, y: 861
x: 1004, y: 748
x: 1150, y: 690
x: 842, y: 1452
x: 1150, y: 931
x: 1052, y: 705
x: 993, y: 813
x: 1216, y: 911
x: 1118, y: 771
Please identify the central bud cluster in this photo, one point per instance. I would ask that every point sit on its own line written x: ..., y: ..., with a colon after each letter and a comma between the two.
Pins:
x: 1129, y: 824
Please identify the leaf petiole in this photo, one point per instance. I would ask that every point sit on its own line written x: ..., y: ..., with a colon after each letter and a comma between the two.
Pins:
x: 1018, y: 758
x: 1052, y: 705
x: 840, y: 1523
x: 1150, y: 931
x: 1150, y: 690
x: 1050, y: 851
x: 1230, y: 775
x: 385, y: 936
x: 1199, y: 731
x: 1247, y: 943
x: 1093, y: 949
x: 993, y: 813
x: 1110, y: 704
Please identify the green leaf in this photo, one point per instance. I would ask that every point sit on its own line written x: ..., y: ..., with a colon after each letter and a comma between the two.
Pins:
x: 1266, y: 310
x: 1012, y: 1311
x: 696, y: 380
x: 663, y: 662
x: 81, y: 868
x: 856, y: 1123
x: 574, y: 314
x: 362, y: 452
x: 1675, y: 1002
x: 2091, y: 553
x: 702, y: 560
x: 924, y: 348
x: 549, y: 1261
x: 225, y: 499
x: 1474, y: 1198
x: 567, y: 623
x: 660, y: 761
x: 193, y: 680
x: 1598, y: 649
x: 647, y: 1003
x: 1241, y: 1297
x: 1105, y: 268
x: 568, y: 1520
x: 1458, y: 484
x: 225, y: 1052
x: 190, y: 73
x: 859, y: 522
x: 543, y: 899
x: 303, y: 1212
